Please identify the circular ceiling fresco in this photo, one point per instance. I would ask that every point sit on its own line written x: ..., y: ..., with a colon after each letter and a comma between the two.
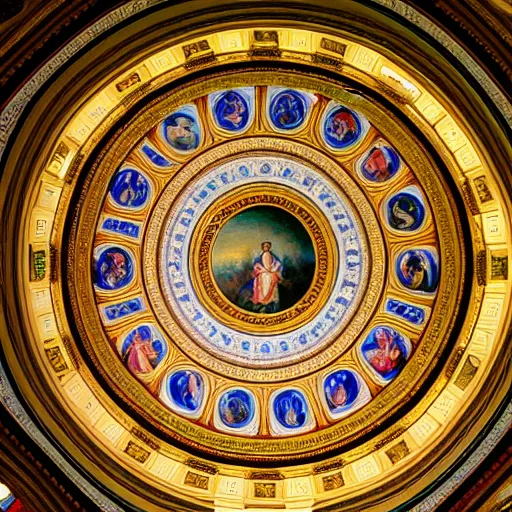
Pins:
x: 261, y: 267
x: 265, y: 264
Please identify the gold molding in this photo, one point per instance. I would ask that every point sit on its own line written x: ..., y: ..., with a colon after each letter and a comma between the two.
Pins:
x: 415, y: 160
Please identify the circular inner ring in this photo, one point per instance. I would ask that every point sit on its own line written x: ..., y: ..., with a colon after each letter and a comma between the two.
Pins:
x: 182, y: 210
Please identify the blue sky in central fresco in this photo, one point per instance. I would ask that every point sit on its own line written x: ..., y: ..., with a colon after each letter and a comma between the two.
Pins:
x: 240, y: 239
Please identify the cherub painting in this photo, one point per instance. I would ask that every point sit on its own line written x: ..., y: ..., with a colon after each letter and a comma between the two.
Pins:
x: 142, y: 350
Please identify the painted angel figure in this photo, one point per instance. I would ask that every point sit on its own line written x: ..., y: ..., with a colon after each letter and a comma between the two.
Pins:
x: 140, y: 355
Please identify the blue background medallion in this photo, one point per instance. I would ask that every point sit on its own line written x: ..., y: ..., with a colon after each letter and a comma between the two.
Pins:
x: 386, y: 352
x: 143, y: 349
x: 181, y: 130
x: 113, y: 268
x: 342, y: 127
x: 236, y: 408
x: 186, y: 389
x: 129, y: 189
x: 291, y: 409
x: 341, y: 389
x: 288, y: 110
x: 380, y: 164
x: 418, y: 269
x: 405, y: 212
x: 231, y: 111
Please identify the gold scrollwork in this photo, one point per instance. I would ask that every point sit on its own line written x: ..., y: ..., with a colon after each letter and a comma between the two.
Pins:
x: 196, y: 480
x: 262, y: 490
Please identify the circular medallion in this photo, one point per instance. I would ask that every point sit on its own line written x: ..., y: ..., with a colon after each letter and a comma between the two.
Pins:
x: 272, y: 277
x: 186, y: 389
x: 113, y: 267
x: 287, y: 110
x: 277, y: 285
x: 342, y: 127
x: 236, y: 408
x: 181, y: 130
x: 130, y: 189
x: 405, y: 211
x: 231, y: 110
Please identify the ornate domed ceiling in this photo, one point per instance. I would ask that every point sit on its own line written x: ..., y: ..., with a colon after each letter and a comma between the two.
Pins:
x: 259, y: 266
x: 265, y: 263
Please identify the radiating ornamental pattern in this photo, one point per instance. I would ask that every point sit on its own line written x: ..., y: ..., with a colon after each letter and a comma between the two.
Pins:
x: 166, y: 383
x: 263, y: 260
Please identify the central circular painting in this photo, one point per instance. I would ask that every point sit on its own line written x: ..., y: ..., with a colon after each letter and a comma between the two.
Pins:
x: 262, y: 263
x: 263, y: 260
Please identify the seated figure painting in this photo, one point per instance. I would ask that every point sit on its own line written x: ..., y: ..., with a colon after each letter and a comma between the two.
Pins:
x: 261, y: 293
x: 143, y: 349
x: 267, y: 274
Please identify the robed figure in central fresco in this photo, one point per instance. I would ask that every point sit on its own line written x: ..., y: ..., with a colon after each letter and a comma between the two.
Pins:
x: 261, y: 293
